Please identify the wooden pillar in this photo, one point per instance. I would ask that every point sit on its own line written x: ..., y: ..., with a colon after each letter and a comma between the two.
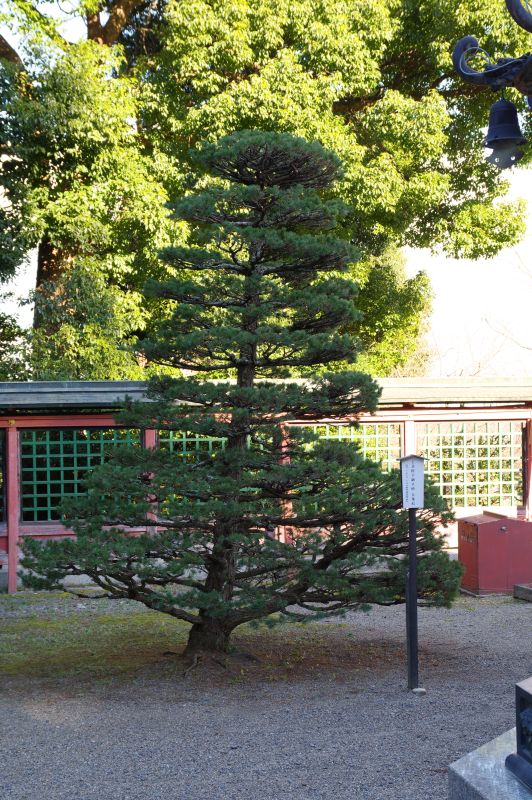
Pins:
x: 528, y: 470
x: 285, y: 533
x: 149, y: 439
x: 13, y: 505
x: 409, y: 443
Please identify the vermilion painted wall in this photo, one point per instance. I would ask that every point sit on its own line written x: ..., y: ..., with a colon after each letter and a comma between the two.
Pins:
x: 13, y: 529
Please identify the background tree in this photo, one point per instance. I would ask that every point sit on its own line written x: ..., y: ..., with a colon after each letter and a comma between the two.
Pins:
x: 90, y: 161
x: 91, y: 321
x: 262, y: 291
x: 394, y: 319
x: 14, y: 349
x: 83, y: 192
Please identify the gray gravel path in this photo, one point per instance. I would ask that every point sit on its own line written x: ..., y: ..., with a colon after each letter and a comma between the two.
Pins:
x: 362, y: 737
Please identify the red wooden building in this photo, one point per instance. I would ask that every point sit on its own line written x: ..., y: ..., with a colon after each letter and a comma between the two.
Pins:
x: 475, y: 434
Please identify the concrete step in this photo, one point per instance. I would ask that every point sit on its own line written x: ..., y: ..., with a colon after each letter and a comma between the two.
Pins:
x: 523, y: 591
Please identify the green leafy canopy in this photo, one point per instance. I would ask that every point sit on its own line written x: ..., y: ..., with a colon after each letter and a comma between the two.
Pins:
x: 96, y: 136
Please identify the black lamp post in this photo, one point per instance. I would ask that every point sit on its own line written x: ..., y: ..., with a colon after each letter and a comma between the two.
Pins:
x: 504, y: 134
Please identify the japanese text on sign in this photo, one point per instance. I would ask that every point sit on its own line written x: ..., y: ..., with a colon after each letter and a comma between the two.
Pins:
x: 412, y: 480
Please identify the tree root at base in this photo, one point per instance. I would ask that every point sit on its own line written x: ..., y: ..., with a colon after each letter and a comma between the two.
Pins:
x: 204, y: 659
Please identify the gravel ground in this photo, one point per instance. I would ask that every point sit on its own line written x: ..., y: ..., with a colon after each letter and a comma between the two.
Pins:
x: 357, y: 735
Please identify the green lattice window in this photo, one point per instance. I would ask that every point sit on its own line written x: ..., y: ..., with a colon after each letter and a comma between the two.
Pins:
x: 474, y: 463
x: 378, y: 441
x: 188, y: 445
x: 54, y: 464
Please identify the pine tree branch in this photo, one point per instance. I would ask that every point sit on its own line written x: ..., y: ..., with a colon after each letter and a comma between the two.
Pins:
x: 132, y: 591
x: 172, y: 579
x: 155, y: 603
x: 201, y: 301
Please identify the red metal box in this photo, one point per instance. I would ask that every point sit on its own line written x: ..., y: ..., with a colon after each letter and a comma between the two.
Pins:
x: 496, y: 552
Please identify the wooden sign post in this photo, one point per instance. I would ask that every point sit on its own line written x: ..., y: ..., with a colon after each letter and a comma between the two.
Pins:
x: 412, y: 482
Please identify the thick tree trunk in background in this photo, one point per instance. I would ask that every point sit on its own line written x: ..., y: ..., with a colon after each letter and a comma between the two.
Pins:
x: 49, y: 263
x: 119, y: 12
x: 209, y: 636
x: 94, y: 28
x: 50, y: 266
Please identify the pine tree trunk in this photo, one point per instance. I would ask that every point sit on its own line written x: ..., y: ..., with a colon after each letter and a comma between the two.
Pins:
x: 210, y: 637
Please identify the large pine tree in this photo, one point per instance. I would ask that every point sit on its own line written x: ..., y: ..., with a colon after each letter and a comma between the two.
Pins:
x: 273, y: 518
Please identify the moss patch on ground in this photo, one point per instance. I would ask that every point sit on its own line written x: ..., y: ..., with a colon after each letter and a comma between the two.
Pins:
x: 55, y: 637
x: 96, y: 644
x: 52, y: 636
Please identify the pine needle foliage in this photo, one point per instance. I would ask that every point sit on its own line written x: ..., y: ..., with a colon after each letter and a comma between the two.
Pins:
x: 271, y: 521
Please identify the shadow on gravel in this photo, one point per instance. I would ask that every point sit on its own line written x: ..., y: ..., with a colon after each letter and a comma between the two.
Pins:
x: 86, y: 646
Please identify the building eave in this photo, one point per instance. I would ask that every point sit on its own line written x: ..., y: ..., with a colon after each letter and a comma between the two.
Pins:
x: 57, y: 396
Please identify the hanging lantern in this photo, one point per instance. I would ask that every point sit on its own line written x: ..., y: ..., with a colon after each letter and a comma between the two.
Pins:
x: 504, y: 135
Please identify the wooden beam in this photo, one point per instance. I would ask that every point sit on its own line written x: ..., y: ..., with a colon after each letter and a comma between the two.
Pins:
x: 409, y: 439
x: 528, y: 468
x: 13, y: 506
